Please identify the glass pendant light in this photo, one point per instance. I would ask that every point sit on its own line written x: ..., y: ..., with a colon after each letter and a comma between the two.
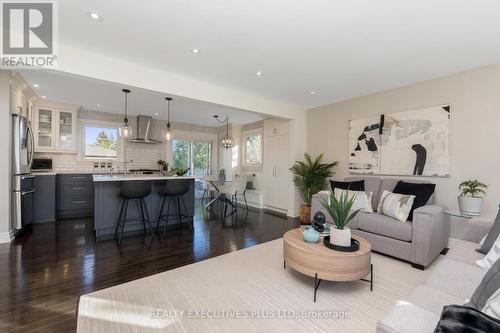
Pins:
x: 169, y: 134
x: 226, y: 142
x: 125, y: 130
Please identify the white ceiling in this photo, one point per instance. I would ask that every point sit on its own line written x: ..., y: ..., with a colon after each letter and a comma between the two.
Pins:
x: 88, y: 93
x: 339, y: 49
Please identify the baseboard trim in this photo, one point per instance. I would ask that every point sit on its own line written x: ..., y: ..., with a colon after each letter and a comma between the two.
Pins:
x: 5, y: 237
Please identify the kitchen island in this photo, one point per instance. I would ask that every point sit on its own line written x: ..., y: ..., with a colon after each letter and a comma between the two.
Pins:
x: 107, y: 203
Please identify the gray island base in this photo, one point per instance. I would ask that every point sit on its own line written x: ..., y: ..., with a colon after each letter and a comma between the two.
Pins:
x: 108, y: 203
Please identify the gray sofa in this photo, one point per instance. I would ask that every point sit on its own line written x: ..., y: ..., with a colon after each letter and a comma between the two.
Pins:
x: 419, y: 241
x: 451, y: 281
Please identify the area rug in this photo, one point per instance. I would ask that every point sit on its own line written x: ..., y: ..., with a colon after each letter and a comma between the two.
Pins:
x: 247, y: 291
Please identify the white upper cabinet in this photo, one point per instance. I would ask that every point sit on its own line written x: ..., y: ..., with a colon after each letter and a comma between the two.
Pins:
x: 275, y: 127
x: 55, y: 129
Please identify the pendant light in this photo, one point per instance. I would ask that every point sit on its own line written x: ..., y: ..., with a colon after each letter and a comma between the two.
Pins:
x: 125, y: 131
x: 226, y: 142
x: 169, y: 134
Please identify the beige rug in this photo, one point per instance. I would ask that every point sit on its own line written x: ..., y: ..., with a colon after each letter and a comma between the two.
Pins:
x: 247, y: 291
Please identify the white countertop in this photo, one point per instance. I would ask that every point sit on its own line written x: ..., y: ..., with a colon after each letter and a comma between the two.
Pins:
x: 121, y: 178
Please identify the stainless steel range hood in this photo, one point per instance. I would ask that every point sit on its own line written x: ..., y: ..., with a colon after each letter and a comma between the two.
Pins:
x: 144, y: 130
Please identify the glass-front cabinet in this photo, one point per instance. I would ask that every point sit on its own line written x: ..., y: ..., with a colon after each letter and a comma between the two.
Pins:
x: 66, y: 130
x: 55, y: 130
x: 45, y: 128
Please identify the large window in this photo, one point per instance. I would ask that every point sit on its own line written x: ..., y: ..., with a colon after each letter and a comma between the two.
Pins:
x: 195, y: 155
x: 100, y: 142
x: 252, y: 147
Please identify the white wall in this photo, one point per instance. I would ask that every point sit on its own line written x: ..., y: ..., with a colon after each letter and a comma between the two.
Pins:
x: 5, y: 149
x: 475, y: 109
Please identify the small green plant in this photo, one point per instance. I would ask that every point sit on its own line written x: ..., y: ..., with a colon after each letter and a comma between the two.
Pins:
x: 340, y: 209
x: 472, y: 188
x: 310, y: 176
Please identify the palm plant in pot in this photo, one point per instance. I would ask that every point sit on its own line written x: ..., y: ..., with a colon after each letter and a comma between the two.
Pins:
x: 340, y: 209
x: 309, y: 177
x: 470, y: 200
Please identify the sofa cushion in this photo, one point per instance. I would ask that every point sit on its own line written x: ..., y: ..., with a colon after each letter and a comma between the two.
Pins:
x: 372, y: 184
x: 421, y: 191
x: 408, y: 318
x: 432, y: 300
x: 455, y: 278
x: 388, y: 184
x: 491, y: 237
x: 464, y: 251
x: 395, y: 205
x: 356, y: 185
x: 488, y: 286
x: 385, y: 226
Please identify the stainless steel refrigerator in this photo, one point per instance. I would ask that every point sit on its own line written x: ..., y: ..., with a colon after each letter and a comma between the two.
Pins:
x: 22, y: 179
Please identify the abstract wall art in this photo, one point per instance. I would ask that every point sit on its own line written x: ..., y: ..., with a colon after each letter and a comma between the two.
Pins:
x: 415, y: 142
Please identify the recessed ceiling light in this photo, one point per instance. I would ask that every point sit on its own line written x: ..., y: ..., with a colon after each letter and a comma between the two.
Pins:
x: 259, y: 73
x: 156, y: 114
x: 35, y: 85
x: 312, y: 92
x: 44, y: 97
x: 98, y: 105
x: 94, y: 15
x: 195, y: 51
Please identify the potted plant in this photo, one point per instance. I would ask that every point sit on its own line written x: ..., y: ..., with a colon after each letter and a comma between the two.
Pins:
x: 310, y: 177
x: 470, y: 200
x: 340, y: 209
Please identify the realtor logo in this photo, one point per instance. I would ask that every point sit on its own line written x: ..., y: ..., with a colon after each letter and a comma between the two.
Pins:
x: 28, y: 30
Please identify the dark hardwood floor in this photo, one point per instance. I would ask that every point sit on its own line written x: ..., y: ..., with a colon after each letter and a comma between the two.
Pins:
x: 46, y: 269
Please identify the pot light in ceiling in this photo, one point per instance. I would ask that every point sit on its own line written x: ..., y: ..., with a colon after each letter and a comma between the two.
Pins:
x: 157, y: 114
x: 95, y: 16
x: 98, y: 105
x: 259, y: 73
x: 312, y: 92
x: 35, y: 85
x: 44, y: 97
x: 195, y: 51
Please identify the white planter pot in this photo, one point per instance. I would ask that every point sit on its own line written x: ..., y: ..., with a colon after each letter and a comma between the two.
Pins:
x: 340, y: 237
x: 470, y: 205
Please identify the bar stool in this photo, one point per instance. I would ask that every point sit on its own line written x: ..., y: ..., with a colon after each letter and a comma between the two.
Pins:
x: 133, y: 190
x: 173, y: 191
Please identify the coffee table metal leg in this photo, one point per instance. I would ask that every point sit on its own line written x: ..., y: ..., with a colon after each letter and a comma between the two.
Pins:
x: 316, y: 285
x: 371, y: 278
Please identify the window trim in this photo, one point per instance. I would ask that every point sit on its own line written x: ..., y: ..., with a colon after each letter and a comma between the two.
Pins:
x: 245, y: 135
x: 96, y: 123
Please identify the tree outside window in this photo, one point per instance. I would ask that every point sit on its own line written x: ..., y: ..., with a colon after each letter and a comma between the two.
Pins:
x: 253, y: 148
x: 101, y: 142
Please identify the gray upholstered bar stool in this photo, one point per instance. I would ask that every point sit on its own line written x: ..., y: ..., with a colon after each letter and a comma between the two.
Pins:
x: 133, y: 190
x: 173, y: 193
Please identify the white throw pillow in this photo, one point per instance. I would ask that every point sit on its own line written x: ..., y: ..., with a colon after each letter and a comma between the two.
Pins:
x: 491, y: 257
x: 395, y: 205
x: 363, y: 199
x: 492, y: 307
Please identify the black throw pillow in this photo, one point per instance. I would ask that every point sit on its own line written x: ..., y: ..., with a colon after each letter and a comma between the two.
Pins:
x: 358, y: 185
x: 421, y: 191
x: 462, y: 319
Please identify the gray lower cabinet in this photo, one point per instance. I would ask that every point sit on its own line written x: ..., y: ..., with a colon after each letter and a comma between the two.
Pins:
x: 44, y: 198
x: 75, y: 195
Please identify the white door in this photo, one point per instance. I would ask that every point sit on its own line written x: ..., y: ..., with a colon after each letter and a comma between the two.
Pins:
x: 269, y: 167
x: 282, y: 171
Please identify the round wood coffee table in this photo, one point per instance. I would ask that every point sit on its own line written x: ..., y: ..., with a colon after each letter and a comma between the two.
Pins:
x: 322, y: 263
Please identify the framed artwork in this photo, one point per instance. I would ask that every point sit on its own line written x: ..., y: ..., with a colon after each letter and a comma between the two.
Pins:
x: 415, y: 142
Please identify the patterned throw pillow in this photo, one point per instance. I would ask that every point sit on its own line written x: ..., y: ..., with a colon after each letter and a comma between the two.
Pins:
x: 492, y: 256
x: 395, y: 205
x: 363, y: 199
